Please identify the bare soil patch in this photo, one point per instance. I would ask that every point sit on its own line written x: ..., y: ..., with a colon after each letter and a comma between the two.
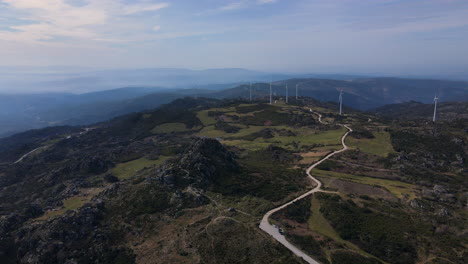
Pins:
x: 348, y: 187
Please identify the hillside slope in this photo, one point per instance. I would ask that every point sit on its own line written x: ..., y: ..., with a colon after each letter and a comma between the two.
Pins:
x: 361, y: 94
x: 416, y: 110
x: 190, y: 181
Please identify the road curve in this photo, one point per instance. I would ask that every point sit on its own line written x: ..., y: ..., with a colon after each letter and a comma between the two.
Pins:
x: 274, y: 232
x: 27, y: 154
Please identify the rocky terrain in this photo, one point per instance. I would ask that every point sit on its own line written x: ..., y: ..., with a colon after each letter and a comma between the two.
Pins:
x: 190, y: 181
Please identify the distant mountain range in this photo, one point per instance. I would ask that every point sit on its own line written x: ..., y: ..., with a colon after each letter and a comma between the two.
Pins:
x: 81, y: 80
x: 20, y: 112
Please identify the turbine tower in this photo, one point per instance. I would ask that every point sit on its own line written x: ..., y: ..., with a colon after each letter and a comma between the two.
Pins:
x: 286, y: 93
x: 436, y: 100
x: 296, y: 90
x: 341, y: 102
x: 250, y: 92
x: 271, y: 96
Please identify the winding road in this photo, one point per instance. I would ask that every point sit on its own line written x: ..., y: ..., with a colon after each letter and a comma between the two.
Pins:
x: 27, y: 154
x: 274, y: 231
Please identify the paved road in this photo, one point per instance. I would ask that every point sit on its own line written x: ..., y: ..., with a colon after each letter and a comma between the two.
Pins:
x: 273, y: 231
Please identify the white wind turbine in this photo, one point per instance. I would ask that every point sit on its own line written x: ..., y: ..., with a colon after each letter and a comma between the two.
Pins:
x: 271, y: 96
x: 297, y: 90
x: 287, y: 93
x: 436, y: 100
x: 250, y: 92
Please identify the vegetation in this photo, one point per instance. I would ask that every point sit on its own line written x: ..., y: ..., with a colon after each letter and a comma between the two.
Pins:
x: 265, y: 176
x: 71, y: 203
x: 128, y: 169
x: 382, y: 235
x: 220, y: 125
x: 378, y: 144
x: 206, y: 118
x: 328, y: 165
x: 319, y: 224
x: 349, y: 257
x: 211, y: 131
x: 309, y: 245
x: 416, y: 111
x: 361, y: 132
x: 308, y: 229
x: 271, y: 116
x: 439, y: 149
x: 96, y: 192
x: 298, y: 211
x: 130, y: 203
x: 397, y: 188
x: 170, y: 128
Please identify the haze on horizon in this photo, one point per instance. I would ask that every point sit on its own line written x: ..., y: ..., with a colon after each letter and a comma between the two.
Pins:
x: 392, y: 37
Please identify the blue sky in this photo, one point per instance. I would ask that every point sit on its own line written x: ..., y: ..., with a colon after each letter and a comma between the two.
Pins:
x: 346, y: 36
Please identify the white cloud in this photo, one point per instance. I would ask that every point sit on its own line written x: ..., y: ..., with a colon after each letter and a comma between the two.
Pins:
x: 244, y: 4
x: 157, y: 28
x: 233, y: 6
x: 133, y: 9
x: 52, y: 19
x: 266, y: 1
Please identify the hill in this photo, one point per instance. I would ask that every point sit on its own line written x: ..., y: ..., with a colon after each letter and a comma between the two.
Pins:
x: 23, y: 112
x: 189, y: 182
x: 363, y: 94
x: 416, y: 110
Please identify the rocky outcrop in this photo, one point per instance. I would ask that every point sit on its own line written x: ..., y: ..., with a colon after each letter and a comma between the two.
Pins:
x: 76, y: 237
x: 200, y: 165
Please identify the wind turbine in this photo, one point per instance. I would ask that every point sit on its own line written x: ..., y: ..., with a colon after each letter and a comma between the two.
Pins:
x: 296, y: 89
x: 436, y: 100
x: 286, y: 93
x: 250, y: 92
x: 271, y: 97
x: 341, y: 102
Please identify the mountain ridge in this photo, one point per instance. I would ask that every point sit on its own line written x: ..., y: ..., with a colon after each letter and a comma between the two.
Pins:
x: 35, y: 111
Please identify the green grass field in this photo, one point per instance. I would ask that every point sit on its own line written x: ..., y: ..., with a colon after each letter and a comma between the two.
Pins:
x: 331, y: 139
x: 397, y: 188
x: 128, y: 169
x: 245, y: 144
x: 71, y: 203
x: 308, y: 137
x: 210, y: 131
x: 205, y: 119
x: 319, y: 224
x: 380, y: 145
x: 170, y: 128
x: 208, y: 120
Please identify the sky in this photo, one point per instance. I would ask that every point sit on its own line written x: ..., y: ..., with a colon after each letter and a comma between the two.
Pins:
x: 314, y: 36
